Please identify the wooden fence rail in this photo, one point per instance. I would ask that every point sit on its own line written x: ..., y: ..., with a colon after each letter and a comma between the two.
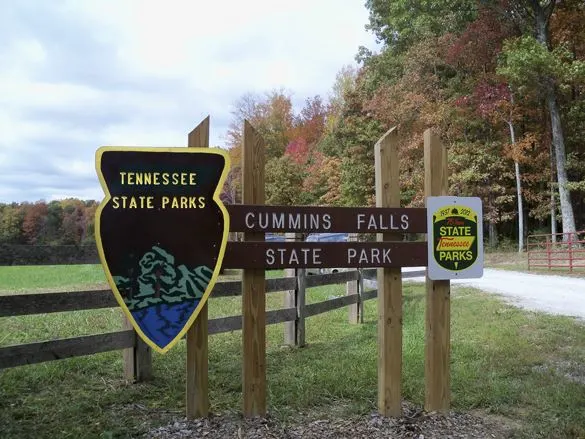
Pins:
x: 38, y: 352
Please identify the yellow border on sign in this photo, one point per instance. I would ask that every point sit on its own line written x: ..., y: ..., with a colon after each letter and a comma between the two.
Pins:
x: 222, y: 248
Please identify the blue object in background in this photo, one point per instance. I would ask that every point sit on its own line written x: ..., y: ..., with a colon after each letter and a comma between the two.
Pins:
x: 271, y: 237
x: 327, y: 237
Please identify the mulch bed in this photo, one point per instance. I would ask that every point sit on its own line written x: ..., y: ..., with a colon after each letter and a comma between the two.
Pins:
x: 414, y: 424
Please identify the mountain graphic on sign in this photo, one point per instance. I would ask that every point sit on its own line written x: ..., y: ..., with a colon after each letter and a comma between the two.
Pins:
x: 161, y: 281
x: 162, y: 296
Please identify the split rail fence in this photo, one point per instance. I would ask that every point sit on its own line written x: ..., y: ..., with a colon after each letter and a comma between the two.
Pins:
x: 137, y: 354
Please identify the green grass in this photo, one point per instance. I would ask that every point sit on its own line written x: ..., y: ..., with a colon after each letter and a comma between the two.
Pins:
x: 506, y: 362
x: 50, y: 277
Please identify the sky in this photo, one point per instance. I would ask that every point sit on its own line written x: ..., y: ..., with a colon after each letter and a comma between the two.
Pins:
x: 79, y: 74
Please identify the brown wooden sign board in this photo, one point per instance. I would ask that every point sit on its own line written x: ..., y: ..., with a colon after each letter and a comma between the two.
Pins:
x: 275, y: 255
x: 248, y: 218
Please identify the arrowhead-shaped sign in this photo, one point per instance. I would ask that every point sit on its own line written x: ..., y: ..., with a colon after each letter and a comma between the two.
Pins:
x: 161, y: 233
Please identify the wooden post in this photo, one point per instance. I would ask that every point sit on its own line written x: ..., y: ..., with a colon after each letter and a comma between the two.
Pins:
x: 253, y: 284
x: 137, y: 360
x: 351, y: 289
x: 360, y: 294
x: 291, y: 300
x: 389, y: 284
x: 197, y: 403
x: 438, y: 317
x: 300, y: 321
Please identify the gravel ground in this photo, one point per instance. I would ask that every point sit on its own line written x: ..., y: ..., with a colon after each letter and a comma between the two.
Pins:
x: 559, y: 295
x: 414, y: 424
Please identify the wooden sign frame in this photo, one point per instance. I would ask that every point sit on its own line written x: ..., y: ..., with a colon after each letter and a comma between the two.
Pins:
x: 388, y: 219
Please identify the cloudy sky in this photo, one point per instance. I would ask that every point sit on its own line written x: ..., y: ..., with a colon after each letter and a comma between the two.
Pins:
x: 79, y: 74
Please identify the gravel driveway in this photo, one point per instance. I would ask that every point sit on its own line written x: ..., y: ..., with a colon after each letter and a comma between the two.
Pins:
x: 560, y: 295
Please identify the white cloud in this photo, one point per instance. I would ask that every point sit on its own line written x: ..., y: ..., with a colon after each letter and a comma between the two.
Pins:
x: 75, y: 75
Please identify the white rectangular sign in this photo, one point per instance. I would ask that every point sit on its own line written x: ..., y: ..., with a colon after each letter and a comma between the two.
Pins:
x: 455, y: 237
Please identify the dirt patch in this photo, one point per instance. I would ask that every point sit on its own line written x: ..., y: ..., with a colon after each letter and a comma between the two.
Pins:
x: 414, y: 424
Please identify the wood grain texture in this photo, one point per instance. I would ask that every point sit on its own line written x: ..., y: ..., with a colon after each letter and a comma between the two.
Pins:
x: 41, y: 303
x: 300, y: 305
x: 389, y: 283
x: 138, y: 358
x: 352, y: 288
x: 290, y: 297
x: 234, y: 323
x: 369, y: 295
x: 129, y: 363
x: 361, y: 289
x: 197, y: 395
x: 253, y: 284
x: 328, y: 305
x: 438, y: 306
x: 199, y: 137
x: 234, y: 288
x: 39, y: 352
x: 332, y: 278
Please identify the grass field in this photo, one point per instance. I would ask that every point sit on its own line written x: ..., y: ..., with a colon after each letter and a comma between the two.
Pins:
x: 527, y: 369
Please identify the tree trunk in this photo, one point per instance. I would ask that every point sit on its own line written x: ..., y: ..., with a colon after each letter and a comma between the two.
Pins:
x: 492, y: 235
x: 542, y: 16
x: 568, y: 217
x: 518, y: 192
x: 553, y: 205
x: 520, y: 208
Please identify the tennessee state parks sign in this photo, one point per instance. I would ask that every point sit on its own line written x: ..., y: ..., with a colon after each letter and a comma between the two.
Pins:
x: 161, y: 233
x: 455, y: 238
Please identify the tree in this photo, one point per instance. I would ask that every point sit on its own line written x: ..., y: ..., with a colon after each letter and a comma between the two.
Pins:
x: 74, y: 226
x: 531, y: 62
x: 322, y: 183
x: 352, y: 141
x: 11, y: 224
x: 345, y: 82
x: 528, y: 64
x: 34, y: 220
x: 271, y: 115
x: 284, y: 180
x: 357, y: 176
x: 52, y: 230
x: 480, y: 169
x: 88, y: 236
x: 496, y: 102
x: 401, y: 23
x: 309, y: 125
